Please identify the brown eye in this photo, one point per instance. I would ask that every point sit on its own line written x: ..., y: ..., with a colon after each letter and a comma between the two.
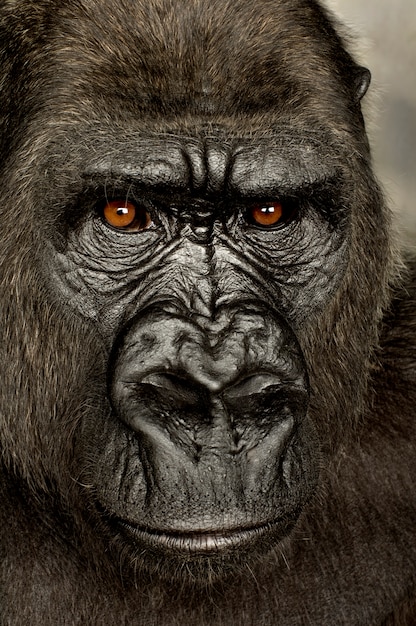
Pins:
x: 266, y: 214
x: 125, y: 215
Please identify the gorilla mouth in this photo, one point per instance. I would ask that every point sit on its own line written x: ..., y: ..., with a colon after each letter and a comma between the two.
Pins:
x: 203, y: 542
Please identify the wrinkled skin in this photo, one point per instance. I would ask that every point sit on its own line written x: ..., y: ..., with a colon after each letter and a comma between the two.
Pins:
x: 208, y: 349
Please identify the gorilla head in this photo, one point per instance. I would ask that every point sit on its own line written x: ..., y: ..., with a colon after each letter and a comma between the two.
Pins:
x: 195, y: 261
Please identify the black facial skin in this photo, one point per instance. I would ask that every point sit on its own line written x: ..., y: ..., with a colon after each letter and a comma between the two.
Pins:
x: 207, y: 411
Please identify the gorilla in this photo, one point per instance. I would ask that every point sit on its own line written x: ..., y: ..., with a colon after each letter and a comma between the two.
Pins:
x: 208, y: 332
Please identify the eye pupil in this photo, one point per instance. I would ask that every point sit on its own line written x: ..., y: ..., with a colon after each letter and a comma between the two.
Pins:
x: 267, y: 214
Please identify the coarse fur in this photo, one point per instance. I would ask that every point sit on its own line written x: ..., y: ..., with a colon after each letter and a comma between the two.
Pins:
x: 102, y: 99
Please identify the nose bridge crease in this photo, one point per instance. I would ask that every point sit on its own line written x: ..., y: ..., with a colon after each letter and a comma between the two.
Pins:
x: 208, y: 163
x: 198, y: 265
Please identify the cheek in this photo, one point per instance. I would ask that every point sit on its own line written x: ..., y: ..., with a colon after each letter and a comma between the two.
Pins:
x: 297, y: 275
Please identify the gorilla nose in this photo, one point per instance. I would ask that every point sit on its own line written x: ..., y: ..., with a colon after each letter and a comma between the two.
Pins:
x: 223, y: 386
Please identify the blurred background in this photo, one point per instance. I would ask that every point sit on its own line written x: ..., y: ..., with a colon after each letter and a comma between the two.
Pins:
x: 385, y: 31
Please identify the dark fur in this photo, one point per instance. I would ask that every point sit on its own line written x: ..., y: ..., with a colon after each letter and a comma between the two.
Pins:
x: 179, y: 68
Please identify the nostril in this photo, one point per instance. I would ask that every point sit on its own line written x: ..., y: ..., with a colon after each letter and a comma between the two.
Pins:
x: 173, y: 388
x: 266, y: 397
x: 161, y: 379
x: 162, y: 405
x: 256, y: 383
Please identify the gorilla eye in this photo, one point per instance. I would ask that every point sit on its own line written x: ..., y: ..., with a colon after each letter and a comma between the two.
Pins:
x: 266, y: 214
x: 126, y: 215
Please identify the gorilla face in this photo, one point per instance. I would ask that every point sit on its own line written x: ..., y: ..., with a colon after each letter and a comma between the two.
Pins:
x: 198, y: 260
x: 202, y: 227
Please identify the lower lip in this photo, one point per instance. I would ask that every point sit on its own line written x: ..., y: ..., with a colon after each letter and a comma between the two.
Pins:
x: 204, y: 542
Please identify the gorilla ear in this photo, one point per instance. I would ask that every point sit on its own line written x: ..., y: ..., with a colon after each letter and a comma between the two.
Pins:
x: 361, y: 82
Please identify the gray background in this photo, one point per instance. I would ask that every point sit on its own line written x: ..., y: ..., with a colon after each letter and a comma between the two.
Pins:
x: 385, y: 33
